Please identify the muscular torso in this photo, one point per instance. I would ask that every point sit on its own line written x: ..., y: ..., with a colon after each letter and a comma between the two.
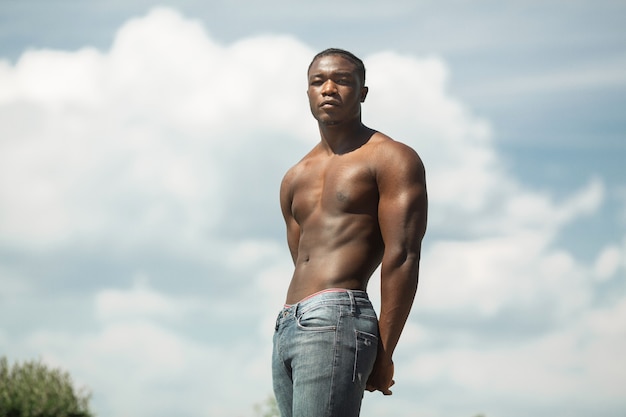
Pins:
x: 334, y: 201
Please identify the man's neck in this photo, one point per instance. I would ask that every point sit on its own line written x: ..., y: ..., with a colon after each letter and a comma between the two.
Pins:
x: 344, y: 137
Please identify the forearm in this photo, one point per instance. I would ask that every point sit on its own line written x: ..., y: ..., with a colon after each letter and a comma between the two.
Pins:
x: 398, y: 288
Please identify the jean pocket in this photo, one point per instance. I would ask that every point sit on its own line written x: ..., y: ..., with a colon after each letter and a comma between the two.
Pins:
x: 319, y: 318
x: 366, y: 349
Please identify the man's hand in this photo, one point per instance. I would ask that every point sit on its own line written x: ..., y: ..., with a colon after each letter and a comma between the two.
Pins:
x: 381, y: 378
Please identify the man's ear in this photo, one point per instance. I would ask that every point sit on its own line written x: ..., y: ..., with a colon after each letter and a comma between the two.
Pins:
x: 364, y: 91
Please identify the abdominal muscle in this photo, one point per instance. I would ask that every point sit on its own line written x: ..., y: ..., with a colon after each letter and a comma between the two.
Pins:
x: 338, y: 257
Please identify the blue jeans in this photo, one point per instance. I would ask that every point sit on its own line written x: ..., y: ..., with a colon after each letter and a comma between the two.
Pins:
x: 324, y: 350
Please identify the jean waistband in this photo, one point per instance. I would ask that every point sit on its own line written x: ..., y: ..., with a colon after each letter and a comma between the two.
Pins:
x: 329, y: 296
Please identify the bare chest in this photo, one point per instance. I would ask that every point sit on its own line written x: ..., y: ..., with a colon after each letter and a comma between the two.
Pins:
x: 334, y: 187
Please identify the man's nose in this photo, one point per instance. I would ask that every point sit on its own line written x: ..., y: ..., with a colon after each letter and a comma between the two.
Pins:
x: 329, y: 87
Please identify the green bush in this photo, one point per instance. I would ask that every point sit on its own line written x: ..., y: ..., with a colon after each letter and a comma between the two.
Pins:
x: 268, y: 408
x: 31, y: 389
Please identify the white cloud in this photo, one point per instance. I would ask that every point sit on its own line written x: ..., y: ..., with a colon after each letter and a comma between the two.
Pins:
x: 575, y: 361
x: 425, y: 116
x: 517, y: 273
x: 608, y: 263
x: 172, y: 144
x: 137, y: 359
x: 140, y: 301
x: 139, y: 367
x: 137, y: 145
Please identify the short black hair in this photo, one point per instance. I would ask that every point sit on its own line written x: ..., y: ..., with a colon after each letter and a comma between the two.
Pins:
x: 360, y: 67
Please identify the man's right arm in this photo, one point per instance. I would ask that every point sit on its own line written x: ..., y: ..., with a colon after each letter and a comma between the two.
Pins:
x: 293, y: 228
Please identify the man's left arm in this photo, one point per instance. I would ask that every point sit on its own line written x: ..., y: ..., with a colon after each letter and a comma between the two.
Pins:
x: 402, y: 213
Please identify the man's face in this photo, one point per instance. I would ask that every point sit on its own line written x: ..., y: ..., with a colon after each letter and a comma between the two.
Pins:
x: 335, y: 90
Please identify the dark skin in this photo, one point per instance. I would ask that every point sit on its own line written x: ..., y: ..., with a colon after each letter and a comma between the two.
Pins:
x: 357, y: 200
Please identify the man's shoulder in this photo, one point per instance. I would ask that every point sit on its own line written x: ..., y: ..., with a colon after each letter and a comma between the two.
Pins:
x: 389, y: 151
x: 396, y: 165
x: 299, y: 167
x: 301, y: 164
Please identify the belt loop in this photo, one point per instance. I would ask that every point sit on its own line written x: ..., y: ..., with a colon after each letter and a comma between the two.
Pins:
x: 352, y: 302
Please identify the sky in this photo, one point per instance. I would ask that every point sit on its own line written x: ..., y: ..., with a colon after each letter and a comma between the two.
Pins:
x: 142, y: 145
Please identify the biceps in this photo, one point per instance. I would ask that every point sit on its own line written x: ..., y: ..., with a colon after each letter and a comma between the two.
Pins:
x: 402, y: 219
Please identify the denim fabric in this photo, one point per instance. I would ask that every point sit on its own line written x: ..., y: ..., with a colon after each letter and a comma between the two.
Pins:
x: 324, y: 351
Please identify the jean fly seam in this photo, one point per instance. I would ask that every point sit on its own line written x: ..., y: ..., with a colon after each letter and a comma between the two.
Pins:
x: 336, y: 354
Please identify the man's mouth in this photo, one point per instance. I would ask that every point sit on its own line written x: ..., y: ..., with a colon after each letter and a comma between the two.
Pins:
x: 329, y: 103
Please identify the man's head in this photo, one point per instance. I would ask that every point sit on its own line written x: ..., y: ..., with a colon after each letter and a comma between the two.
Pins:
x: 336, y: 87
x: 360, y: 67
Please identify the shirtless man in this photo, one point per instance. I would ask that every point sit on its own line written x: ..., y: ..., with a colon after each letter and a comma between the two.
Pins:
x: 355, y: 201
